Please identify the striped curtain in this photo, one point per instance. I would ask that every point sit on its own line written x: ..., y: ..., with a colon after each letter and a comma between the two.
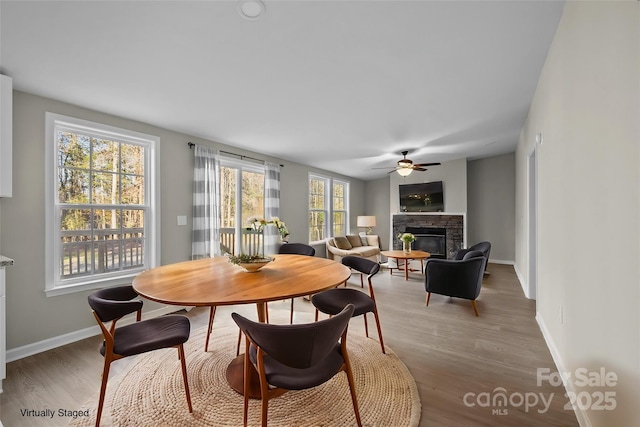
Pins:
x: 271, y: 206
x: 205, y: 236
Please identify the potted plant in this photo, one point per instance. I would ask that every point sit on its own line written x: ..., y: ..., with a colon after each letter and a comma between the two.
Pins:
x: 251, y: 263
x: 407, y: 239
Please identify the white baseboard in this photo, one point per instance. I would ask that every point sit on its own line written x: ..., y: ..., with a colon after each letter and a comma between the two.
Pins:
x: 501, y: 261
x: 581, y: 415
x: 523, y: 283
x: 68, y: 338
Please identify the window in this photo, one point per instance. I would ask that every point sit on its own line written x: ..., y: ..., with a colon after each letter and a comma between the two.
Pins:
x: 241, y: 185
x: 328, y: 207
x: 101, y: 200
x: 340, y: 202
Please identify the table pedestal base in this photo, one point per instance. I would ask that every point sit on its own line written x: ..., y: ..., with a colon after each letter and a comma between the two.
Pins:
x: 235, y: 378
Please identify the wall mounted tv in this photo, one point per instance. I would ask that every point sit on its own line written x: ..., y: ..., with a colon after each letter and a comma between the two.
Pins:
x: 423, y: 197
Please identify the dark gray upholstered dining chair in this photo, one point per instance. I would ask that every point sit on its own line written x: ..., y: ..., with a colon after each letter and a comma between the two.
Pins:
x: 456, y: 278
x: 296, y: 249
x: 110, y: 305
x: 333, y: 301
x: 287, y: 248
x: 484, y: 247
x: 295, y: 357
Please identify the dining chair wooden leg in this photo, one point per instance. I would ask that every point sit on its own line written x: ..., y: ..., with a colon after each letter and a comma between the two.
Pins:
x: 362, y: 280
x: 316, y: 314
x: 428, y: 297
x: 291, y: 315
x: 353, y: 397
x: 475, y: 308
x: 247, y: 367
x: 183, y: 360
x: 366, y: 326
x: 350, y: 380
x: 239, y: 340
x: 103, y: 387
x: 212, y: 315
x: 375, y: 315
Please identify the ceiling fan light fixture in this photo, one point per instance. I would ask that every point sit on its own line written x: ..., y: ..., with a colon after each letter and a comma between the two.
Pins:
x: 404, y: 171
x: 405, y: 163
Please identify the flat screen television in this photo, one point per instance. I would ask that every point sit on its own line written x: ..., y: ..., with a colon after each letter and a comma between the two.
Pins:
x: 423, y: 197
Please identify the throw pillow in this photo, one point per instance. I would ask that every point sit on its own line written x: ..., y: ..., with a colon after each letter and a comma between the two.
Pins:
x: 342, y: 243
x: 372, y: 240
x: 355, y: 241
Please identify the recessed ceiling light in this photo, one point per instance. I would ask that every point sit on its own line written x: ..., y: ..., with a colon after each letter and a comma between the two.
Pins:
x: 251, y: 9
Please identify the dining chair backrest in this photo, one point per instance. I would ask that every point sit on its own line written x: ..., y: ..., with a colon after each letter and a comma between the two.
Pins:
x: 297, y: 249
x: 298, y: 346
x: 363, y: 265
x: 113, y: 303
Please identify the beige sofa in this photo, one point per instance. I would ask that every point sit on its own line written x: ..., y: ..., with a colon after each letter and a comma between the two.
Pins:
x: 366, y: 246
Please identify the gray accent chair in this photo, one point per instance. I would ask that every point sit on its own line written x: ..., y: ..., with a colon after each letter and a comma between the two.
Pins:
x: 456, y: 278
x: 484, y: 247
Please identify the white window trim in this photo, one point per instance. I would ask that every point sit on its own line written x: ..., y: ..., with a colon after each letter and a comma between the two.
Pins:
x: 328, y: 204
x: 347, y: 198
x: 53, y: 286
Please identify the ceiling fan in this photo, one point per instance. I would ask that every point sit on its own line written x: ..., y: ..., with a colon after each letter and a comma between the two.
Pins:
x: 406, y: 166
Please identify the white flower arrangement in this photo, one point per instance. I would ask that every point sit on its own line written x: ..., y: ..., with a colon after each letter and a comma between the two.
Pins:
x: 407, y: 237
x: 258, y: 224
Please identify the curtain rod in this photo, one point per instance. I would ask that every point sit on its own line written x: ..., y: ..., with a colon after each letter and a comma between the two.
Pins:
x: 242, y: 157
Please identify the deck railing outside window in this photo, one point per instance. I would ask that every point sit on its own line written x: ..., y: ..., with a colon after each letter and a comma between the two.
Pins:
x: 252, y: 241
x: 102, y: 251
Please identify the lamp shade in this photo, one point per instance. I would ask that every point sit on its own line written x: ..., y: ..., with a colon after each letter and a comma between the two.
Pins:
x: 366, y: 221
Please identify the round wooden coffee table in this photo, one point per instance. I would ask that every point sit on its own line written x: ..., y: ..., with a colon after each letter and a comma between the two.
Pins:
x: 406, y: 256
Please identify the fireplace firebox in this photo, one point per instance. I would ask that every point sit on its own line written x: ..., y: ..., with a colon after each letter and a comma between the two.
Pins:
x: 430, y: 239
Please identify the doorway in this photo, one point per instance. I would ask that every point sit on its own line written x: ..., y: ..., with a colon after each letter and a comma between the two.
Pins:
x: 533, y: 226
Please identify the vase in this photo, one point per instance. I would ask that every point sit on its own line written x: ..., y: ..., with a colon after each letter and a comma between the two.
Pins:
x: 406, y: 246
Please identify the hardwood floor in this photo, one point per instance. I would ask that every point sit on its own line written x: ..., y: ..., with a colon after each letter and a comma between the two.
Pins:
x: 459, y: 361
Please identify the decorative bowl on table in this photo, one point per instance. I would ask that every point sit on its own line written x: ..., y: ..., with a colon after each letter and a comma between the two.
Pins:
x: 250, y: 263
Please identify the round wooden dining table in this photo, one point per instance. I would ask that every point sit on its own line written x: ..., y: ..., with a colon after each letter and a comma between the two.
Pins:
x: 215, y: 281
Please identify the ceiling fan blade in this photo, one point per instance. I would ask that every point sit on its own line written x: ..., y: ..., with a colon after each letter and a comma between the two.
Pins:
x: 419, y: 169
x: 426, y: 164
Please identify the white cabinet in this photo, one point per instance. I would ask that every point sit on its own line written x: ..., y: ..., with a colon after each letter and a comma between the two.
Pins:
x: 6, y: 135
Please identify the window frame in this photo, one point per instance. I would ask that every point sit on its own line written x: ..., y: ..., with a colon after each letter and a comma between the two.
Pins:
x: 329, y: 207
x: 344, y: 183
x: 56, y: 285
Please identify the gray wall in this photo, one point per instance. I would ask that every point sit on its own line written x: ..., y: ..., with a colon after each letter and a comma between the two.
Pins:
x: 377, y: 204
x: 33, y: 317
x: 491, y: 216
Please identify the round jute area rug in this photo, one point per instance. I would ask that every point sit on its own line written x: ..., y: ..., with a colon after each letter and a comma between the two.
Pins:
x: 151, y: 393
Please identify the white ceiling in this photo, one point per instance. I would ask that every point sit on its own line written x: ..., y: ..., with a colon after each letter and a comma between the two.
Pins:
x: 339, y: 85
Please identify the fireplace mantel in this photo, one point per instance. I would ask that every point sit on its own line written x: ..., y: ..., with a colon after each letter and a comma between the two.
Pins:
x: 454, y: 223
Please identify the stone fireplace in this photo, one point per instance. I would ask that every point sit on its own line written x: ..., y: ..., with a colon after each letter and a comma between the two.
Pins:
x: 439, y: 234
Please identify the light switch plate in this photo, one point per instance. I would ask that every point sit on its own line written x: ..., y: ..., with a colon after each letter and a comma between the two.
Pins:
x: 182, y: 220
